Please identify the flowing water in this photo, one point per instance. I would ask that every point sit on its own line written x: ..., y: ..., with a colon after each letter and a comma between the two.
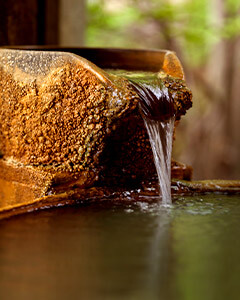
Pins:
x: 158, y: 113
x: 160, y: 136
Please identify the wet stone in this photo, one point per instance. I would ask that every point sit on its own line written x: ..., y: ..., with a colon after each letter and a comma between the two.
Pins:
x: 71, y: 121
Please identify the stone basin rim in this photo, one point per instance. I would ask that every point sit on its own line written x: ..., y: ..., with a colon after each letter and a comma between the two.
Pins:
x: 103, y: 195
x: 153, y: 60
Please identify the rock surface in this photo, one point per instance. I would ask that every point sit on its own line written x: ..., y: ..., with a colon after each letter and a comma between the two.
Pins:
x: 72, y: 130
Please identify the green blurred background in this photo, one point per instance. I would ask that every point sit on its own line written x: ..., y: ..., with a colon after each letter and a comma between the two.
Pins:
x: 205, y: 34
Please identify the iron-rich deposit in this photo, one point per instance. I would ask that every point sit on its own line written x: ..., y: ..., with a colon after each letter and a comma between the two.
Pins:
x: 71, y: 129
x: 62, y: 122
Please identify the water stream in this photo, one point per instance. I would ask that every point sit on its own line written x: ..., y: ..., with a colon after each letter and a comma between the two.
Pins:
x: 157, y: 110
x: 160, y: 136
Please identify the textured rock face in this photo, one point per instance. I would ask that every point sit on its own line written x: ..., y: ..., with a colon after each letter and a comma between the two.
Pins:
x: 62, y: 122
x: 76, y: 128
x: 128, y: 155
x: 178, y: 91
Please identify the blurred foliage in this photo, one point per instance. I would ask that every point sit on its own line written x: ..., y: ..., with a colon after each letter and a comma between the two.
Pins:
x: 195, y: 25
x: 106, y: 27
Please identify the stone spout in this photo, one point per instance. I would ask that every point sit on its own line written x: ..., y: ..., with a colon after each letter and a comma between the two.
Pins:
x: 67, y: 123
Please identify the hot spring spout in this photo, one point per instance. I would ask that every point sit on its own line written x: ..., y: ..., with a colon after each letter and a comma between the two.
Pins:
x: 68, y: 125
x: 156, y: 105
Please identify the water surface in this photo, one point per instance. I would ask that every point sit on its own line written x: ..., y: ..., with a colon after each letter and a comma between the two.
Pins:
x: 124, y: 251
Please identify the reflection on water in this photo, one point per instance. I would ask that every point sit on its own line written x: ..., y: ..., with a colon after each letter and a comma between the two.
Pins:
x: 134, y: 251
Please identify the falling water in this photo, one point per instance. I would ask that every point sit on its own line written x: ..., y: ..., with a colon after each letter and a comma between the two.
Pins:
x: 158, y: 113
x: 160, y: 136
x: 157, y: 109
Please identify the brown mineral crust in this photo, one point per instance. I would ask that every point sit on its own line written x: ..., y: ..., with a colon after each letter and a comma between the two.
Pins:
x: 128, y: 157
x: 72, y: 125
x: 61, y: 123
x: 179, y: 92
x: 41, y: 181
x: 127, y: 153
x: 181, y: 171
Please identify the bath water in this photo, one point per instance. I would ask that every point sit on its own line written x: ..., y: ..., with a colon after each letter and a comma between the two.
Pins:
x: 124, y: 251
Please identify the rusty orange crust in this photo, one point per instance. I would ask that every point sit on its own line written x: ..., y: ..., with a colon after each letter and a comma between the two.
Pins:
x: 25, y: 189
x: 28, y: 203
x: 26, y: 183
x: 172, y: 66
